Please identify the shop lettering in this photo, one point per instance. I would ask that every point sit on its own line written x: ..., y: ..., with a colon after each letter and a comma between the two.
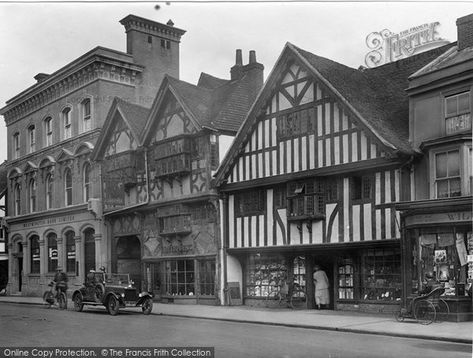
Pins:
x: 50, y: 221
x: 178, y: 250
x: 463, y: 216
x: 387, y: 46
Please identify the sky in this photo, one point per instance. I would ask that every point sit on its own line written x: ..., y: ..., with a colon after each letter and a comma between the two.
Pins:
x: 44, y: 36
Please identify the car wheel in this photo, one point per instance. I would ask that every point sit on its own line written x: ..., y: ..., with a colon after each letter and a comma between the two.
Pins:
x: 147, y: 306
x: 78, y: 304
x: 99, y: 291
x: 113, y: 306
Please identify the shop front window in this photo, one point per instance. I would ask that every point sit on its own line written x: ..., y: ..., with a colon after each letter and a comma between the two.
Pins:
x: 70, y: 252
x: 180, y: 277
x: 381, y: 275
x: 443, y: 252
x: 346, y: 273
x: 263, y: 275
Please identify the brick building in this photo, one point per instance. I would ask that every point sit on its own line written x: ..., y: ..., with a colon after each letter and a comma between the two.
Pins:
x: 52, y: 127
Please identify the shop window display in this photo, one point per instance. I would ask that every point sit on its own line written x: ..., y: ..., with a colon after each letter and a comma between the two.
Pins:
x: 263, y: 275
x: 443, y: 252
x: 180, y: 277
x: 381, y: 275
x: 346, y: 280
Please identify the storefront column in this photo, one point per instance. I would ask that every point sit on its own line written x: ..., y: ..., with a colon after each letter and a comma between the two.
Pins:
x: 12, y: 285
x: 99, y: 261
x: 79, y: 255
x: 26, y: 260
x: 60, y: 253
x: 310, y: 287
x: 43, y: 257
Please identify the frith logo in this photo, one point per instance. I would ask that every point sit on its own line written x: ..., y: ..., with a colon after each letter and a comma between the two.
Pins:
x: 387, y: 46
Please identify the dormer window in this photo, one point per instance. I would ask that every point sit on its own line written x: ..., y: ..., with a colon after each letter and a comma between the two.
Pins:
x: 32, y: 138
x: 457, y: 113
x: 86, y: 115
x: 16, y: 145
x: 48, y: 130
x: 66, y: 121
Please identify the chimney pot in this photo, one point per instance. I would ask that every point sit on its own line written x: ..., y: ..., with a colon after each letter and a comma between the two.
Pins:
x: 239, y: 58
x: 252, y: 56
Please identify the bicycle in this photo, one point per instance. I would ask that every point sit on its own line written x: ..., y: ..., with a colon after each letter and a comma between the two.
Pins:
x: 425, y: 308
x: 51, y: 298
x: 298, y: 297
x: 278, y: 293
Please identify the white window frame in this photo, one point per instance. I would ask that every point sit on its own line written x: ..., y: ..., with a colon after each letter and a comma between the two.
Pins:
x: 66, y: 122
x: 458, y: 113
x: 32, y: 194
x: 17, y: 199
x: 464, y: 168
x: 48, y: 131
x: 49, y: 191
x: 86, y: 181
x: 16, y: 145
x: 32, y: 138
x: 66, y: 188
x: 86, y: 118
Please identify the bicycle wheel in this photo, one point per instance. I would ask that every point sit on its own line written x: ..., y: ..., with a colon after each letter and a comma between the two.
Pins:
x: 424, y: 312
x: 48, y: 297
x: 442, y: 309
x: 298, y: 300
x: 399, y: 316
x: 62, y: 301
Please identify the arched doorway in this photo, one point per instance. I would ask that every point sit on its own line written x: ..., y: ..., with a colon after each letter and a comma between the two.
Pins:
x: 128, y: 257
x: 89, y: 250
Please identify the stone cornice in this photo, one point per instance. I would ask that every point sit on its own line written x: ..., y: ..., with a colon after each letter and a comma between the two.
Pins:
x: 133, y: 22
x: 97, y: 64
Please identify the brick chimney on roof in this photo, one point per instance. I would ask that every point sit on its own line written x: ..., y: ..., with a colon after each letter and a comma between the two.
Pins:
x: 465, y: 32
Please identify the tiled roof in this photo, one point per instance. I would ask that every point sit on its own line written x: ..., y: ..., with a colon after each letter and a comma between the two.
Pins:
x: 209, y: 81
x: 449, y: 58
x: 135, y: 115
x: 377, y: 94
x: 217, y: 107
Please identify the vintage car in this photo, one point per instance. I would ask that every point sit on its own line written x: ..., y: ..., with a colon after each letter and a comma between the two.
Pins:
x: 112, y: 290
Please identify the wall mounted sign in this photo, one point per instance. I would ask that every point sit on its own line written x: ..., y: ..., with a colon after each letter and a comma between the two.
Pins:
x: 386, y: 46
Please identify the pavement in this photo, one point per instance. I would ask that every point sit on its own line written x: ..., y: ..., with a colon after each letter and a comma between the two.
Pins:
x: 342, y: 321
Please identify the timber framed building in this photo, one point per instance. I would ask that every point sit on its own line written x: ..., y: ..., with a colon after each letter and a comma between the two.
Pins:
x: 312, y: 178
x: 159, y: 201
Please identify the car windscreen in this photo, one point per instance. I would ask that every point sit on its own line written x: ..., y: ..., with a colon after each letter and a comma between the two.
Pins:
x: 118, y: 279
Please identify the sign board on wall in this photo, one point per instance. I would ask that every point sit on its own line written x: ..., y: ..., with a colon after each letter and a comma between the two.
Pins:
x: 386, y: 46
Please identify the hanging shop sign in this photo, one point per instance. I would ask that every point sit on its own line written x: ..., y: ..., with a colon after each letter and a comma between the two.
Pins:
x: 386, y: 46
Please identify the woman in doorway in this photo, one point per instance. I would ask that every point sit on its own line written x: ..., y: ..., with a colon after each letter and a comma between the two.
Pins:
x: 322, y: 297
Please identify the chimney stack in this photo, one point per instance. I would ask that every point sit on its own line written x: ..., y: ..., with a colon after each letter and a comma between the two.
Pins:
x: 236, y: 71
x: 252, y: 56
x: 465, y: 32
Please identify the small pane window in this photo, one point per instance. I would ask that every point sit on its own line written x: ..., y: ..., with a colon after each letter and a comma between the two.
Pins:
x: 49, y: 192
x: 16, y: 145
x: 86, y: 115
x: 48, y: 128
x: 32, y: 189
x: 86, y: 182
x: 17, y: 199
x: 447, y: 174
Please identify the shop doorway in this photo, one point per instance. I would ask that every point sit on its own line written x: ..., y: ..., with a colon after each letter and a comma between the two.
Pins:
x: 89, y: 251
x: 326, y: 264
x: 128, y: 257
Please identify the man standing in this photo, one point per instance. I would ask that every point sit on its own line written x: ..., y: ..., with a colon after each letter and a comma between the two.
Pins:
x: 322, y: 296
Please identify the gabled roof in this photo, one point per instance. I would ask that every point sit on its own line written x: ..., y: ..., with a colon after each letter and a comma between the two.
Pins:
x: 213, y: 103
x: 133, y: 115
x: 375, y: 97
